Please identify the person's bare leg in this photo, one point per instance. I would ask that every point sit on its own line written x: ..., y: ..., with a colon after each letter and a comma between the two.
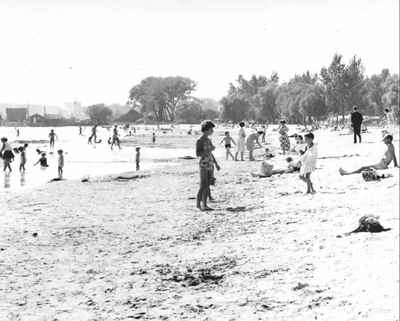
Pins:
x: 242, y: 156
x: 358, y: 171
x: 236, y: 156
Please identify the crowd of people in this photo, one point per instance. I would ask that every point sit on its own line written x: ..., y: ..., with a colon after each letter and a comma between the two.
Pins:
x: 302, y: 161
x: 301, y: 156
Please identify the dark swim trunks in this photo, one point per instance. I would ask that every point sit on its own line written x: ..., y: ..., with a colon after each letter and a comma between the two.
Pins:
x: 228, y: 146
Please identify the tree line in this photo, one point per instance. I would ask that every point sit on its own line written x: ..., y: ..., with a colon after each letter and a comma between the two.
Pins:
x: 305, y: 98
x: 312, y: 97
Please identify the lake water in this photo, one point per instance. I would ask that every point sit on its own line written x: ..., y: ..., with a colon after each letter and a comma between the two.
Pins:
x: 82, y: 159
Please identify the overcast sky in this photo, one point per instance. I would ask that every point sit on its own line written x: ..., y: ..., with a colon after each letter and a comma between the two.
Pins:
x: 94, y: 51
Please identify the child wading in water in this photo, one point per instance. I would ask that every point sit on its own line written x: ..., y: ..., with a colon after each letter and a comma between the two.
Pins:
x: 23, y: 159
x: 228, y: 140
x: 137, y: 158
x: 204, y: 149
x: 42, y: 160
x: 308, y: 162
x: 60, y: 163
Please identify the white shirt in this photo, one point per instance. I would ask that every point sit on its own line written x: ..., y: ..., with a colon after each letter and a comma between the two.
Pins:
x: 309, y: 160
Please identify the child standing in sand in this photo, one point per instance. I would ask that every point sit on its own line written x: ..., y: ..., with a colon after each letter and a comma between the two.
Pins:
x: 204, y: 149
x: 308, y: 162
x: 137, y: 158
x: 60, y: 163
x: 228, y: 141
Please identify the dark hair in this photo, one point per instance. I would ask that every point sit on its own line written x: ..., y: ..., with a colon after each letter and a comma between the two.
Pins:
x: 387, y: 110
x: 299, y: 136
x: 26, y: 145
x: 60, y: 151
x: 43, y: 154
x: 137, y: 148
x: 289, y: 159
x: 390, y: 137
x: 241, y: 124
x: 20, y: 148
x: 283, y: 121
x: 260, y: 132
x: 207, y: 125
x: 4, y: 139
x: 355, y: 108
x: 226, y: 133
x: 309, y: 135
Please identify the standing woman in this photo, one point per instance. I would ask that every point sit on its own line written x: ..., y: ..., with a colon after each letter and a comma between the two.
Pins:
x: 240, y: 146
x: 284, y: 138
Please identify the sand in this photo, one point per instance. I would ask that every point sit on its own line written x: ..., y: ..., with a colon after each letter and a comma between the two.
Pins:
x: 139, y: 249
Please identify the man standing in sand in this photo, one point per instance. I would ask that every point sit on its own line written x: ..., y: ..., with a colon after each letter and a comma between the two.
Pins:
x: 356, y: 121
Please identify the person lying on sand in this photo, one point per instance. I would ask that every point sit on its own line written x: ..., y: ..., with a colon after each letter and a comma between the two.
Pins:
x: 384, y: 163
x: 266, y: 169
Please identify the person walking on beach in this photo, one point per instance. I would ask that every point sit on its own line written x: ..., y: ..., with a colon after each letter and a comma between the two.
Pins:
x: 153, y: 139
x: 228, y: 141
x: 251, y: 142
x: 115, y: 139
x: 137, y: 158
x: 284, y: 138
x: 204, y: 149
x: 308, y: 162
x: 80, y: 130
x: 7, y: 154
x: 356, y: 121
x: 264, y: 132
x: 60, y: 163
x: 93, y: 135
x: 240, y: 142
x: 52, y: 136
x: 388, y: 157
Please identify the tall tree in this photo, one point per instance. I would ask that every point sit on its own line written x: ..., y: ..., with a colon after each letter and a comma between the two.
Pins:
x: 160, y: 96
x: 99, y: 114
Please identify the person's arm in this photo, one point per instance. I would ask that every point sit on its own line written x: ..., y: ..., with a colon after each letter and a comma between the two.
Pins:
x: 215, y: 162
x: 233, y: 141
x: 258, y: 142
x: 199, y: 148
x: 394, y: 157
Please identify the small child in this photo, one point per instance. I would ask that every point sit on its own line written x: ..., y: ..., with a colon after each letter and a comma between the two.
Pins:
x: 42, y: 160
x: 228, y: 140
x: 293, y: 166
x: 308, y: 162
x: 154, y: 138
x: 137, y: 158
x: 204, y: 149
x: 7, y: 154
x: 60, y: 163
x: 23, y: 159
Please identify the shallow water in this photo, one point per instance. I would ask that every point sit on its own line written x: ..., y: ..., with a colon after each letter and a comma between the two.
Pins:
x: 82, y: 159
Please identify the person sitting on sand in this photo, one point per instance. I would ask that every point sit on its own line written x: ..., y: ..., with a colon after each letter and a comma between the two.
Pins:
x: 42, y: 160
x: 308, y: 162
x: 300, y: 145
x: 384, y: 163
x: 204, y: 149
x: 251, y: 142
x: 293, y: 165
x: 228, y: 141
x: 268, y: 154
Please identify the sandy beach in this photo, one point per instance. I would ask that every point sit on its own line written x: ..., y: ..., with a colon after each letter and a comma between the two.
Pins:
x: 139, y: 249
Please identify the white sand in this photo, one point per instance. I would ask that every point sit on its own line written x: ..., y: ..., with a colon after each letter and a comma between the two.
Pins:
x: 140, y: 249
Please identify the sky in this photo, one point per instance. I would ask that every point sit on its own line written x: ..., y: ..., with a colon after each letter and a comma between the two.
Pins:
x: 94, y: 51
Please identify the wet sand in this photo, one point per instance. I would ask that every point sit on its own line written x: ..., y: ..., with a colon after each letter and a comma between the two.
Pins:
x: 139, y: 249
